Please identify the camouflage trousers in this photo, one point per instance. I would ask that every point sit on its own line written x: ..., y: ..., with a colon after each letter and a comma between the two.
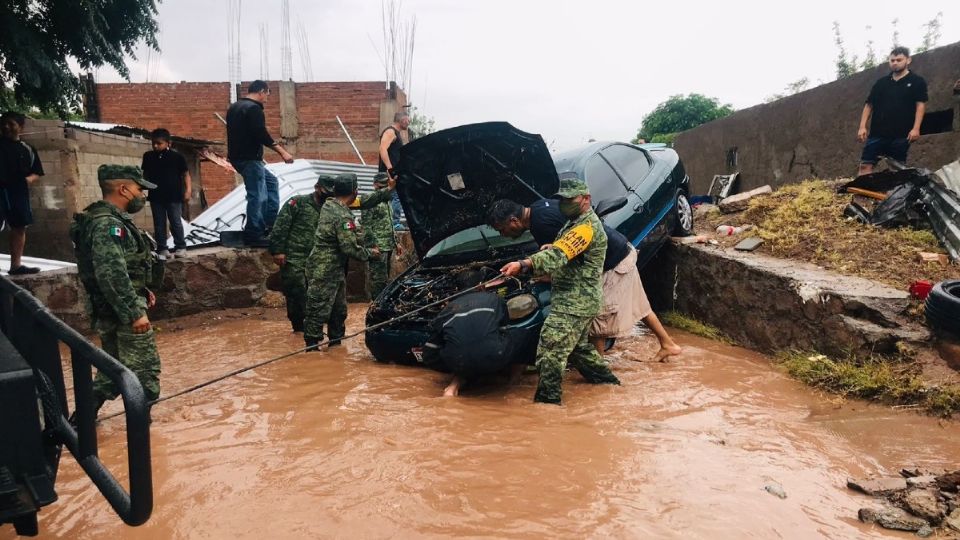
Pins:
x: 138, y: 352
x: 326, y: 304
x: 563, y: 338
x: 378, y: 273
x: 294, y: 278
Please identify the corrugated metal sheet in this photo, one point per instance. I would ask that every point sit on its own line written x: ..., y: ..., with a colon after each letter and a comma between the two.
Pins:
x: 295, y: 178
x: 43, y: 264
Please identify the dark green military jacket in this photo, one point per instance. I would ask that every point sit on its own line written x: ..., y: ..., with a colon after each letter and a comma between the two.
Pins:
x: 296, y: 225
x: 575, y: 264
x: 377, y: 224
x: 114, y: 262
x: 336, y: 239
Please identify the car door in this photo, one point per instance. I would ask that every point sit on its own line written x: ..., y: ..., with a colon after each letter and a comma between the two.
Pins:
x: 633, y: 167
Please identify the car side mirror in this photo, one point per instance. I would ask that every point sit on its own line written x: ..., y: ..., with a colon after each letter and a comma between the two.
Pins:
x: 610, y: 205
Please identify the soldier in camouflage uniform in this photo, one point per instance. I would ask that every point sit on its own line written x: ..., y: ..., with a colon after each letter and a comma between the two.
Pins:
x: 575, y: 264
x: 378, y: 232
x: 116, y: 265
x: 291, y: 241
x: 336, y: 240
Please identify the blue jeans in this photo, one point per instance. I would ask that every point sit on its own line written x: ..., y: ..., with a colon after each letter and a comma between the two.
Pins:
x: 397, y: 209
x: 172, y: 212
x: 263, y: 197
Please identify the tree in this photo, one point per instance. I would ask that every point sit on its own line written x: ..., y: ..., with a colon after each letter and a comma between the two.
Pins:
x: 844, y: 66
x: 931, y: 34
x: 680, y: 113
x: 795, y: 87
x: 37, y: 37
x: 420, y: 124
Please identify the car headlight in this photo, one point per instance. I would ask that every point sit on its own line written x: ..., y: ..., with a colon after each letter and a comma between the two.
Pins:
x: 521, y: 305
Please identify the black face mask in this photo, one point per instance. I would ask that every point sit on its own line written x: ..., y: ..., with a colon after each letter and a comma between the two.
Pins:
x: 569, y: 208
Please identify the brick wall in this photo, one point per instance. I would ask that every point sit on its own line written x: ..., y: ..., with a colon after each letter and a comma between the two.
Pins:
x: 187, y: 109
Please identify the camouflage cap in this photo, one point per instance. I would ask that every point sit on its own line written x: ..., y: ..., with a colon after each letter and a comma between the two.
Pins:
x: 572, y: 186
x: 325, y: 181
x: 345, y: 184
x: 108, y: 172
x: 381, y: 179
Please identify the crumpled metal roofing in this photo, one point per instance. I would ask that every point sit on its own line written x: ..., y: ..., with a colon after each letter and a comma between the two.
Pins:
x: 297, y: 178
x: 43, y: 264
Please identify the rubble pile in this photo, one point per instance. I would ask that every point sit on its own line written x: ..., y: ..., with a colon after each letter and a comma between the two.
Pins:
x: 916, y: 501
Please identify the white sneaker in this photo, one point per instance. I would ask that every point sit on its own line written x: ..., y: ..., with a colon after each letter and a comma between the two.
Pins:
x: 164, y: 254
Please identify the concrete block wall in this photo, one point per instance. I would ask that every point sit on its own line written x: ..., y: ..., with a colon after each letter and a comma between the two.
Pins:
x: 813, y: 134
x: 70, y: 160
x: 304, y: 114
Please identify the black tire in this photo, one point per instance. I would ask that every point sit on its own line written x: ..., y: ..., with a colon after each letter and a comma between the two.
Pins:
x: 683, y: 216
x: 942, y: 308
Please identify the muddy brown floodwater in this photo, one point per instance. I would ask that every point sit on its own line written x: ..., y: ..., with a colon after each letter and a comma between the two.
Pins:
x: 333, y: 444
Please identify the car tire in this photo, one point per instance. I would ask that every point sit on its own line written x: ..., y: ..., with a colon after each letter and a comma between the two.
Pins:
x: 942, y: 308
x: 683, y: 216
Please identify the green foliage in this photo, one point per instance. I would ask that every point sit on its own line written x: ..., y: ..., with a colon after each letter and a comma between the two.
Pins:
x: 931, y: 34
x: 696, y: 327
x: 891, y: 381
x: 844, y: 65
x: 848, y: 65
x: 795, y: 87
x: 38, y: 36
x: 680, y: 113
x: 420, y: 124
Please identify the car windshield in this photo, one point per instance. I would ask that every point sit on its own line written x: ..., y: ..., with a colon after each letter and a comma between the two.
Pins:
x: 482, y: 237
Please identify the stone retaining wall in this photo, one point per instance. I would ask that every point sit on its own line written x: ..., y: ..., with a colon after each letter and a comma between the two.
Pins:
x: 772, y: 304
x: 203, y: 280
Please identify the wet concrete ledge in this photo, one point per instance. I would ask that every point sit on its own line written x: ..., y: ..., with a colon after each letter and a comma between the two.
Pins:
x: 203, y: 279
x: 771, y: 304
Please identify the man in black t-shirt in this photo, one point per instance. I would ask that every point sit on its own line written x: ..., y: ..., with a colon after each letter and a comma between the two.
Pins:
x: 621, y: 277
x: 167, y: 168
x: 895, y: 110
x: 19, y: 167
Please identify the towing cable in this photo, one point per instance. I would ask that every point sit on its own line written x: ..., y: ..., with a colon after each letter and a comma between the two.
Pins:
x: 492, y: 282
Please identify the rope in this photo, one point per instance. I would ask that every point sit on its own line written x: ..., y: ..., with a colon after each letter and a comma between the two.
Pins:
x: 194, y: 388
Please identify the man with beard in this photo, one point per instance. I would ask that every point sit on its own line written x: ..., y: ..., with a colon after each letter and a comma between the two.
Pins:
x: 895, y: 109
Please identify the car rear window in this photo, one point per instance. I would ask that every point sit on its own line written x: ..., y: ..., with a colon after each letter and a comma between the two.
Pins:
x: 631, y: 162
x: 603, y: 181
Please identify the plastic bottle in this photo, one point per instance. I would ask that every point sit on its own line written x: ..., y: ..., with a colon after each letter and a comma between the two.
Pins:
x: 730, y: 230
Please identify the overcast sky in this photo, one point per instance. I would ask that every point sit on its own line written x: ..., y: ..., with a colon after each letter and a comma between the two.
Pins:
x: 569, y: 70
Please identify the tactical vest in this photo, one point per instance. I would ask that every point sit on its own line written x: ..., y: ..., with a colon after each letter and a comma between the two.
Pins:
x: 144, y: 268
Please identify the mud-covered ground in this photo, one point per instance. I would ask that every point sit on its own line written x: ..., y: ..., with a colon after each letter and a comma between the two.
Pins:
x: 805, y: 222
x: 332, y: 444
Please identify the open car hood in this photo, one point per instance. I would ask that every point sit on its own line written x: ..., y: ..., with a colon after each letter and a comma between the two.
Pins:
x: 448, y: 179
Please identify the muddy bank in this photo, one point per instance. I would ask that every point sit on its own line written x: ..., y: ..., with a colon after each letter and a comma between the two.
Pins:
x: 771, y: 304
x: 334, y: 445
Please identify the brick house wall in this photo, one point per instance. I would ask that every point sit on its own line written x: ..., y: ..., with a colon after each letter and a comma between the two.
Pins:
x: 303, y: 115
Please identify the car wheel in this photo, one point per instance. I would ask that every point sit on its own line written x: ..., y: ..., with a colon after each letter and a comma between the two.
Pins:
x: 943, y: 307
x: 683, y: 212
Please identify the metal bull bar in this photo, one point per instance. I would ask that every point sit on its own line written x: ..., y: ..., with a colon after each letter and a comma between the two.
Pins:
x: 36, y: 334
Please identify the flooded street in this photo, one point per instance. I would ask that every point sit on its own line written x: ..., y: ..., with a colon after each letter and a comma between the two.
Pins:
x: 332, y: 444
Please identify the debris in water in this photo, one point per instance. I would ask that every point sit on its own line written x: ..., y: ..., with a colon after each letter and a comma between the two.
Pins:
x: 775, y: 489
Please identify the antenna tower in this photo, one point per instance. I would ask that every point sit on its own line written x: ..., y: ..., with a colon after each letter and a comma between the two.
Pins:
x: 233, y: 46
